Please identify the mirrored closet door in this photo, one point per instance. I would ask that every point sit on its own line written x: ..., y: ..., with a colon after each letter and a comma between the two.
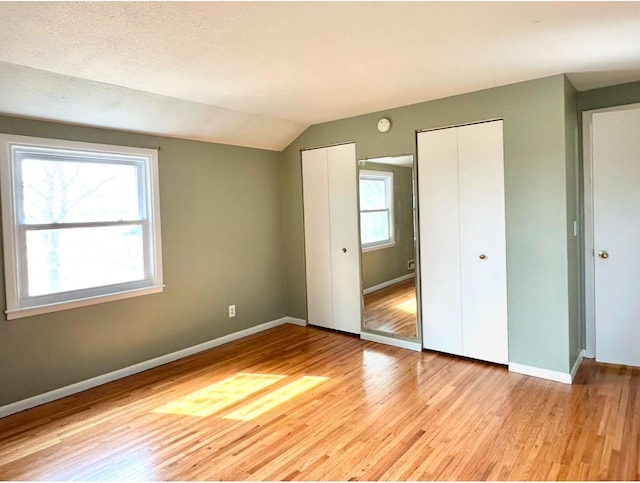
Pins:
x: 387, y: 204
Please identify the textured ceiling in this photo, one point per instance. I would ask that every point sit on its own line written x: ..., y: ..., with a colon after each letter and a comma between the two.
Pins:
x: 258, y: 73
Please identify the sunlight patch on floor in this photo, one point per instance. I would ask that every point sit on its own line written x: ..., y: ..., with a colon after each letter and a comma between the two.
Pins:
x: 220, y: 395
x: 120, y: 465
x: 409, y: 306
x: 374, y: 359
x: 275, y: 398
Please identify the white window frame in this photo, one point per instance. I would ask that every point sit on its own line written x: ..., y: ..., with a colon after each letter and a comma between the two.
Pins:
x: 387, y: 177
x: 18, y: 303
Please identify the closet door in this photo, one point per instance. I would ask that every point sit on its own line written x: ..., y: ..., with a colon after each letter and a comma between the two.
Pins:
x: 440, y: 240
x: 315, y: 186
x: 462, y: 241
x: 344, y: 239
x: 329, y: 177
x: 482, y: 239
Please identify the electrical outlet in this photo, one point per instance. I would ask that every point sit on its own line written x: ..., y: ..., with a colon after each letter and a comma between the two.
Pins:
x: 232, y: 311
x: 411, y: 265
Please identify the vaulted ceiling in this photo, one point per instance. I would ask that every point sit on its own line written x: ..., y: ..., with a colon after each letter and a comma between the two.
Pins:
x: 258, y: 73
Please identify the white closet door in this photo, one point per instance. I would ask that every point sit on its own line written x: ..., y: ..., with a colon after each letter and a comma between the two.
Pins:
x: 483, y: 245
x: 345, y: 244
x: 315, y: 185
x: 616, y: 209
x: 440, y: 240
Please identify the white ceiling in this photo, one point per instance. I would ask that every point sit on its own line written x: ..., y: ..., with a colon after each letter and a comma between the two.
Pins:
x: 258, y: 73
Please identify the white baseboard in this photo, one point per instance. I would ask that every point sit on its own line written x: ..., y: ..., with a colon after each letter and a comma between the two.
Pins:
x: 404, y: 344
x: 547, y: 373
x: 294, y: 321
x: 557, y: 376
x: 388, y: 283
x: 576, y: 365
x: 141, y: 366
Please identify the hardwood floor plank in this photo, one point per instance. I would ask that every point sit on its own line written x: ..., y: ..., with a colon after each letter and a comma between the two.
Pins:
x: 392, y: 309
x: 339, y: 409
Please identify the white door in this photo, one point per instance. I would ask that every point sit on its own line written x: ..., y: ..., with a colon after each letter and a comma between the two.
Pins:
x: 345, y: 240
x: 616, y: 209
x: 483, y: 242
x: 440, y: 240
x: 462, y: 241
x: 315, y: 186
x: 331, y: 237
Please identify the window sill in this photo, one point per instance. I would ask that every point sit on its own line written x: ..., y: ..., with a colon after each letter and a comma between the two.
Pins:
x: 378, y: 247
x: 72, y: 304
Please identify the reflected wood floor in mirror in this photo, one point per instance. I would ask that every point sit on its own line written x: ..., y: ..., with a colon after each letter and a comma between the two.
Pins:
x: 298, y: 403
x: 393, y: 309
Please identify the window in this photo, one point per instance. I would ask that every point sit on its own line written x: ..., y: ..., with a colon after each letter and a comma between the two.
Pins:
x: 376, y: 210
x: 81, y: 223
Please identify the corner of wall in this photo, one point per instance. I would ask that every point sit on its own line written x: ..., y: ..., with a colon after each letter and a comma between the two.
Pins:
x: 293, y: 231
x: 574, y: 223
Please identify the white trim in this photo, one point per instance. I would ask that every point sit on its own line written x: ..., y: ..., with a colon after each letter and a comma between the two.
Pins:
x: 388, y: 283
x: 13, y: 314
x: 547, y: 373
x: 153, y: 194
x: 577, y: 364
x: 403, y: 344
x: 134, y: 369
x: 295, y: 321
x: 380, y: 246
x: 589, y: 268
x: 557, y: 376
x: 8, y: 219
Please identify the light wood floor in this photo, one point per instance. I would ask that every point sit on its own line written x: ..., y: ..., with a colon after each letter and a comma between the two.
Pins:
x: 297, y: 403
x: 392, y: 309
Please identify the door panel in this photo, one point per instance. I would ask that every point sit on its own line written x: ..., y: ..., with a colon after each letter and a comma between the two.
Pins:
x: 482, y: 239
x: 316, y: 233
x: 616, y: 196
x: 439, y: 240
x: 345, y: 244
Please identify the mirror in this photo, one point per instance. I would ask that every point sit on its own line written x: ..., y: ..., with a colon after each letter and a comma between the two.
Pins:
x: 388, y: 242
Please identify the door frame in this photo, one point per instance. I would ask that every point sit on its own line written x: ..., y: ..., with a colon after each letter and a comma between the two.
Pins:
x: 589, y: 228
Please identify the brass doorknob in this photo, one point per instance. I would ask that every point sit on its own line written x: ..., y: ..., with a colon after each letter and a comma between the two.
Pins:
x: 603, y: 254
x: 482, y: 257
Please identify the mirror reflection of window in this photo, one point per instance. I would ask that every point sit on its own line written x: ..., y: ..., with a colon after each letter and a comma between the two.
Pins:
x: 376, y: 209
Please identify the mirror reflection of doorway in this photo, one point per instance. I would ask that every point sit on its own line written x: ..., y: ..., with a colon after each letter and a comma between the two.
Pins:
x: 388, y: 240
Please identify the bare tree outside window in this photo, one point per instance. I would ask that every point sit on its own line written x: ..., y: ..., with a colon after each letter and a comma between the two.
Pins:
x: 66, y: 210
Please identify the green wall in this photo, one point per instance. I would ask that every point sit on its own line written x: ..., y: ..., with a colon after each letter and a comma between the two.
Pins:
x: 574, y: 243
x: 221, y: 241
x: 609, y: 96
x: 534, y: 114
x: 382, y: 265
